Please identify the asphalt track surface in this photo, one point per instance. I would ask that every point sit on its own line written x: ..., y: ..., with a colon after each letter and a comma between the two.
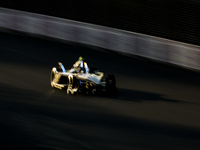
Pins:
x: 158, y: 106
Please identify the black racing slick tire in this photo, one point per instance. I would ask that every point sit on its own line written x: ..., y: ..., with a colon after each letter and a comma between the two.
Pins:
x: 111, y: 80
x: 72, y: 85
x: 112, y: 85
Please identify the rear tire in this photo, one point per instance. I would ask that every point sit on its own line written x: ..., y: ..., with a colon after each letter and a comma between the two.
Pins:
x: 111, y: 80
x: 112, y: 85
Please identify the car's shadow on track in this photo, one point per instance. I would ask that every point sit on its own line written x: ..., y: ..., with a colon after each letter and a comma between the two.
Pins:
x: 131, y: 95
x: 138, y: 96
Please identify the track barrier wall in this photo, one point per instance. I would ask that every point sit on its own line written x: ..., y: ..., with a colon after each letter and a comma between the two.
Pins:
x: 169, y: 51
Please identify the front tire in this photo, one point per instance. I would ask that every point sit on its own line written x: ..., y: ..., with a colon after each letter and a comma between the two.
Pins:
x: 72, y: 85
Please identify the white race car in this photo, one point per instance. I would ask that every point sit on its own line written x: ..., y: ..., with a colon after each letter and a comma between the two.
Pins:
x: 94, y: 82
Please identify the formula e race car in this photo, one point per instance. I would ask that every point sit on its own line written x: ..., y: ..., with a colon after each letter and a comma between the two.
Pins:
x: 76, y: 82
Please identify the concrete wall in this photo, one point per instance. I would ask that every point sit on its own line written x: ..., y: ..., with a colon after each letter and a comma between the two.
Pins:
x: 173, y: 52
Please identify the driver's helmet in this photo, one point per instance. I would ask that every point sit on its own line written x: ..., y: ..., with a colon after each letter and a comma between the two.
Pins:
x: 80, y: 58
x: 59, y: 64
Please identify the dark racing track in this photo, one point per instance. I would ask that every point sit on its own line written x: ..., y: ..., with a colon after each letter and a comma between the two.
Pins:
x: 158, y: 106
